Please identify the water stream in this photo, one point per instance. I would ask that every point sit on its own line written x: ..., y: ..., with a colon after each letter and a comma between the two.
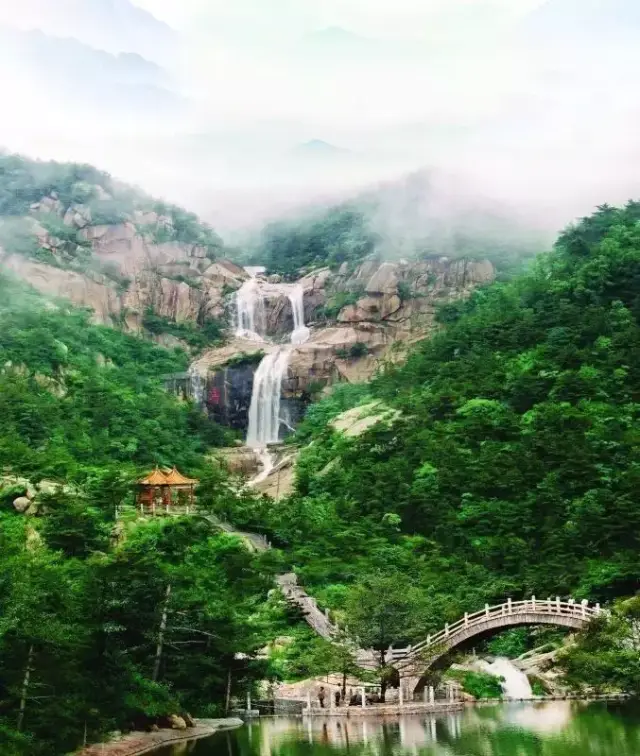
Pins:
x: 265, y: 418
x: 559, y: 728
x: 515, y: 683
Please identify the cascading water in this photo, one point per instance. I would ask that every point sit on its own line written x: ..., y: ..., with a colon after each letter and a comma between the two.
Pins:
x: 515, y: 683
x: 197, y: 386
x: 264, y: 413
x: 265, y: 419
x: 300, y: 332
x: 249, y: 310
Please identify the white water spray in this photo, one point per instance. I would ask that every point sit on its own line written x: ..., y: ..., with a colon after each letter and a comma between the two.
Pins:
x: 197, y: 385
x: 264, y: 413
x: 300, y: 332
x: 515, y: 684
x: 249, y: 311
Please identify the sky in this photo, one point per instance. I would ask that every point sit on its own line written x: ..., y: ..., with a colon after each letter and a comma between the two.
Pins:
x: 522, y: 100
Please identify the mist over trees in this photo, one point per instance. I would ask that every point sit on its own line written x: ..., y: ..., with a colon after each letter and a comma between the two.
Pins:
x: 420, y: 216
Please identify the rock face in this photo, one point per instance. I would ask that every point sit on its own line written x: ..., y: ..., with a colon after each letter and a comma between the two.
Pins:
x: 125, y: 271
x: 389, y: 307
x: 358, y: 322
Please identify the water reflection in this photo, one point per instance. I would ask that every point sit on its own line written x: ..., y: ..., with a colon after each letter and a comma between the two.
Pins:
x: 560, y: 728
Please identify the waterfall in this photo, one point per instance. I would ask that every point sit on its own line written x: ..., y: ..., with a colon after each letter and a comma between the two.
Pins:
x: 264, y: 412
x: 300, y: 332
x: 197, y: 386
x: 515, y: 684
x: 249, y: 310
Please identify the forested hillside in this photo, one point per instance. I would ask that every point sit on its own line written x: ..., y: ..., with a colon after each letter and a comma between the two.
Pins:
x: 82, y: 415
x: 513, y: 467
x: 505, y: 463
x: 416, y: 218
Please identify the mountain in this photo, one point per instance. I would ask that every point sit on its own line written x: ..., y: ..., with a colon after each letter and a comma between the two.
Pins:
x: 112, y: 25
x: 423, y: 215
x: 87, y: 79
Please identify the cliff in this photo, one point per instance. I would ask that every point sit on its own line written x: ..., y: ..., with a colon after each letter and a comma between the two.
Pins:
x: 72, y: 232
x: 358, y: 321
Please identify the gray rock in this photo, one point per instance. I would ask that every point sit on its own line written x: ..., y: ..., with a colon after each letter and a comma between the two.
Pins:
x: 21, y: 504
x: 177, y: 723
x: 48, y: 487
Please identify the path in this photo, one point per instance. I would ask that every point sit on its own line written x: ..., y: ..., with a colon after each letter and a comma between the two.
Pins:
x: 288, y: 583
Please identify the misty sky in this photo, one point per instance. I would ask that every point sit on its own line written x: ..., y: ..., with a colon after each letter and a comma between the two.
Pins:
x: 525, y: 100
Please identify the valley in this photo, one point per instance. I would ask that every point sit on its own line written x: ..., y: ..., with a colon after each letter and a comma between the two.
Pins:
x: 414, y: 437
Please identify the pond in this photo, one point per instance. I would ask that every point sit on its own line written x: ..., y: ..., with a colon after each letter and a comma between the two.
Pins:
x: 559, y: 728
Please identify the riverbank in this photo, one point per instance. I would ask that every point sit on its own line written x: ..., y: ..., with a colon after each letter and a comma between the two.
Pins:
x: 385, y: 710
x: 138, y: 743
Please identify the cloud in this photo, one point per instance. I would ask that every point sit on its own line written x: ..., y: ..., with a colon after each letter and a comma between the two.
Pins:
x: 502, y: 92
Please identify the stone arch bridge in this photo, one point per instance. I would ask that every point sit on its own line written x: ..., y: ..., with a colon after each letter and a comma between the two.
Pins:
x: 414, y: 662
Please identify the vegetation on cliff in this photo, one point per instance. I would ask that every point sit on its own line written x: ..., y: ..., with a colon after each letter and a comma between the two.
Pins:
x: 507, y: 466
x: 513, y: 467
x: 412, y: 219
x: 81, y: 597
x: 25, y: 183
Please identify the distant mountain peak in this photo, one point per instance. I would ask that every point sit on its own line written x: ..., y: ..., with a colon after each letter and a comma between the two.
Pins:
x: 319, y: 145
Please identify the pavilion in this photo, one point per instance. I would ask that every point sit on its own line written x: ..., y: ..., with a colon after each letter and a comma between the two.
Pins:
x: 166, y: 492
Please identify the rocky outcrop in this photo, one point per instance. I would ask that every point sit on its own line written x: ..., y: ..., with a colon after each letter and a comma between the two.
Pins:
x: 27, y: 497
x: 122, y: 270
x: 386, y: 307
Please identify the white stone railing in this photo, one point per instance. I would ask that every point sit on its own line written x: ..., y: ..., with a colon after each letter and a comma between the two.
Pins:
x: 490, y: 614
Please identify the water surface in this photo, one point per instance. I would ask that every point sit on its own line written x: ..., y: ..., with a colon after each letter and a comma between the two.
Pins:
x: 559, y: 728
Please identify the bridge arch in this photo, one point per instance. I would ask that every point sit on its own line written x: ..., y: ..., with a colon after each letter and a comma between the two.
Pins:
x: 415, y: 662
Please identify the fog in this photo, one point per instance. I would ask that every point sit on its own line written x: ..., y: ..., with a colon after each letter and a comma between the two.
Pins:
x: 243, y: 111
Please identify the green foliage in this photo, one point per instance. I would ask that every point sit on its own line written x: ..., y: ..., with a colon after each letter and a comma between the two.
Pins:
x: 404, y: 291
x: 184, y: 227
x: 478, y: 684
x: 75, y: 396
x: 338, y: 301
x: 359, y: 349
x: 606, y: 657
x: 24, y: 182
x: 243, y: 359
x: 538, y: 686
x: 81, y: 597
x: 198, y: 337
x: 513, y: 467
x: 343, y: 396
x: 512, y: 643
x: 340, y: 234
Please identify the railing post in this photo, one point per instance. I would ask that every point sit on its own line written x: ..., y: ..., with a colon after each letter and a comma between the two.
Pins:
x: 584, y: 607
x: 425, y: 694
x: 558, y: 609
x: 486, y: 610
x: 571, y: 605
x: 466, y: 619
x: 446, y: 630
x: 597, y: 608
x: 509, y: 607
x: 428, y: 640
x: 533, y: 603
x: 364, y: 698
x: 432, y: 694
